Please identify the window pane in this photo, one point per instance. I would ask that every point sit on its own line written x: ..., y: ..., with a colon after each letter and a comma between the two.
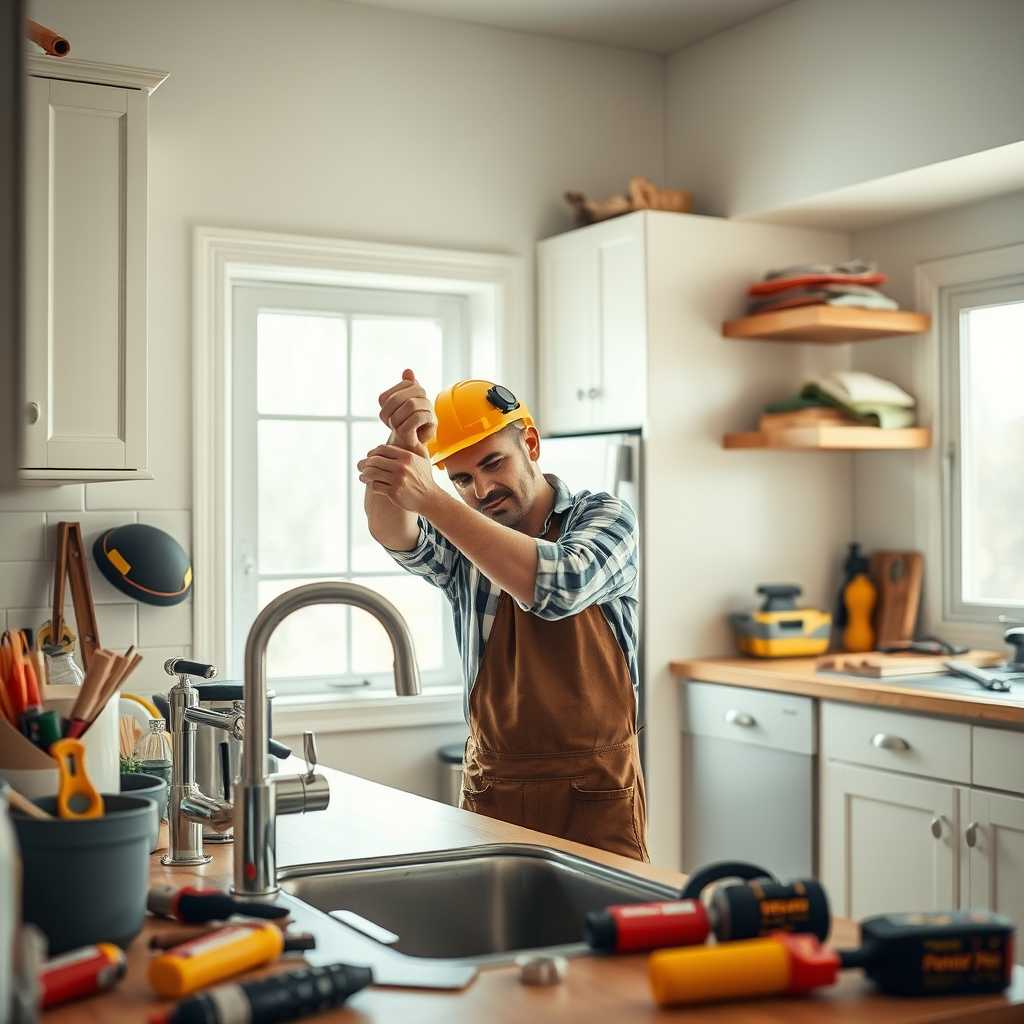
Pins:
x: 302, y: 364
x: 992, y: 438
x: 424, y: 609
x: 382, y: 348
x: 310, y: 642
x: 303, y: 496
x: 367, y: 554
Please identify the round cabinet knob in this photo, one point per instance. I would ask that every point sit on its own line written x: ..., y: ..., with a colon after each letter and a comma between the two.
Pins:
x: 936, y: 827
x: 594, y: 393
x: 580, y: 394
x: 32, y: 413
x: 971, y: 835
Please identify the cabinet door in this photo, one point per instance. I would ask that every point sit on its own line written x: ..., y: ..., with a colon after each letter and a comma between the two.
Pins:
x: 593, y: 327
x: 889, y: 842
x: 567, y: 292
x: 622, y: 321
x: 994, y: 840
x: 85, y: 360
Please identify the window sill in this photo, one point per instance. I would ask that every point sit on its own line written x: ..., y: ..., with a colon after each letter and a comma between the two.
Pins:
x: 330, y: 713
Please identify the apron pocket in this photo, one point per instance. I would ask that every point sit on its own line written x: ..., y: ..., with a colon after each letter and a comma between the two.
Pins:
x: 496, y: 799
x: 605, y: 818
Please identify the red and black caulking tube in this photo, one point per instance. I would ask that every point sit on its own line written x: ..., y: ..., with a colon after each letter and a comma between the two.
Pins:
x: 632, y: 927
x: 278, y: 998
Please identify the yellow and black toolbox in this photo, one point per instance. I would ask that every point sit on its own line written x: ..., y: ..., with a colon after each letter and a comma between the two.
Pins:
x: 779, y: 629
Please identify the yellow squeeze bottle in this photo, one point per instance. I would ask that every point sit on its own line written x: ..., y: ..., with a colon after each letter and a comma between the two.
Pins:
x: 227, y: 951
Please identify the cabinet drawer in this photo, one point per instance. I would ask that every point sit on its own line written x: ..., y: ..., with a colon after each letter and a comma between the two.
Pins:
x: 998, y: 759
x: 888, y: 739
x: 777, y: 720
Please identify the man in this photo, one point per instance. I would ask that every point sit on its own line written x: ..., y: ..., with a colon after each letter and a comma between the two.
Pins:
x: 542, y: 583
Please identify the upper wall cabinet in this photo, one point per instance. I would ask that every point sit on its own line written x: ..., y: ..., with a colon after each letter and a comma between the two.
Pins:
x: 593, y: 327
x: 85, y: 234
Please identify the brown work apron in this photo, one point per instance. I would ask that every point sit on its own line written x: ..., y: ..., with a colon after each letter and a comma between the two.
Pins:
x: 552, y: 743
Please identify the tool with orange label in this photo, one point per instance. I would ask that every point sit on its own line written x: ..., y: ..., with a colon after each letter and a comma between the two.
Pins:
x: 750, y: 909
x: 225, y: 952
x: 76, y: 795
x: 946, y: 953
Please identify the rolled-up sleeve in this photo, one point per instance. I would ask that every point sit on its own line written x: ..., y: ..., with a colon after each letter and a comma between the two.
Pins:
x: 434, y: 557
x: 594, y: 561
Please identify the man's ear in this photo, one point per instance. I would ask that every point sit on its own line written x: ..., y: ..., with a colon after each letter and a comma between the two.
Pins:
x: 531, y: 439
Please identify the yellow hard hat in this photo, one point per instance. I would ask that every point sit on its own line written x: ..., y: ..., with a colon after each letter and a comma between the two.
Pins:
x: 468, y: 412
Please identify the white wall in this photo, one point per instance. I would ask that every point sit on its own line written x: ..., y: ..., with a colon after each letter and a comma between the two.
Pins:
x: 884, y: 493
x: 721, y: 522
x: 327, y: 118
x: 822, y: 94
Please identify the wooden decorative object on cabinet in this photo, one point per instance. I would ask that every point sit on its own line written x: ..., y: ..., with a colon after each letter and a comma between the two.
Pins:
x: 826, y: 324
x: 832, y: 438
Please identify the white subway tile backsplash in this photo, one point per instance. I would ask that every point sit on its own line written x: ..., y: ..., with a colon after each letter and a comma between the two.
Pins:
x: 165, y: 626
x: 22, y: 537
x: 67, y: 497
x: 118, y: 623
x: 150, y: 676
x: 25, y: 584
x: 93, y: 524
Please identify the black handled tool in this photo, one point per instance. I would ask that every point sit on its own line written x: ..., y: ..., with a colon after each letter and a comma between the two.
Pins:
x: 197, y: 906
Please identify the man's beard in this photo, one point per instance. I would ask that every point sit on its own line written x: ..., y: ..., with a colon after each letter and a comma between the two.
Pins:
x: 509, y: 509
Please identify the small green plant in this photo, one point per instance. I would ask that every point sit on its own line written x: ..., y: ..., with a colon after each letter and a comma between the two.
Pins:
x: 130, y: 764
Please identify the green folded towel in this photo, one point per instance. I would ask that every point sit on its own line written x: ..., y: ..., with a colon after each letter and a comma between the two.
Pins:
x: 875, y: 414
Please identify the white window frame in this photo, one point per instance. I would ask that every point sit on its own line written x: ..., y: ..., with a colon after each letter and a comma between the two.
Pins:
x: 500, y: 347
x: 249, y: 299
x: 942, y: 286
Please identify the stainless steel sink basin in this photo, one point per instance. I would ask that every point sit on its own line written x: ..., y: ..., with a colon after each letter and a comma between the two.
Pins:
x: 484, y: 904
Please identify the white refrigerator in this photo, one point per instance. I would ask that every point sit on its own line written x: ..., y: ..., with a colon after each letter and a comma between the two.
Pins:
x: 604, y: 462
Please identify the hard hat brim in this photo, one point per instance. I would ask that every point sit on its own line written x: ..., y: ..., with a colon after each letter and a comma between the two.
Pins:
x: 438, y: 458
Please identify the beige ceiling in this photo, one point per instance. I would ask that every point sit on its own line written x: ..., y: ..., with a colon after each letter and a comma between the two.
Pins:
x: 658, y: 26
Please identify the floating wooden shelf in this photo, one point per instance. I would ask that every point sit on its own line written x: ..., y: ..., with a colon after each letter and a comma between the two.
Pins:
x: 826, y: 324
x: 832, y: 438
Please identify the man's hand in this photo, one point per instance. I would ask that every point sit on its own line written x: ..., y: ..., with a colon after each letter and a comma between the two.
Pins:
x: 407, y: 410
x: 403, y: 476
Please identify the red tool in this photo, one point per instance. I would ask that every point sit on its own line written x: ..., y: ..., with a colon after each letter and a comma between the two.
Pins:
x: 82, y: 972
x: 197, y: 906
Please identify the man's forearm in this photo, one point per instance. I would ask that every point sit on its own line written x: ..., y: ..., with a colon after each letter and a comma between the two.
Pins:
x: 505, y: 556
x: 390, y: 525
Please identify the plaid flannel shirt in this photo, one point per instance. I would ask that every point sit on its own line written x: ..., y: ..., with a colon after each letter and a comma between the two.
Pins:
x: 594, y: 561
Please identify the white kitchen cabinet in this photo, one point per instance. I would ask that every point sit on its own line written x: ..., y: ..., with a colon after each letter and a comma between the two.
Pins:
x: 85, y: 384
x: 889, y: 842
x: 592, y: 305
x: 993, y: 838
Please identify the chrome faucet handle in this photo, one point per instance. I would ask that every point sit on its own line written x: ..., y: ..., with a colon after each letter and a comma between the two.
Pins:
x: 309, y: 751
x: 184, y: 667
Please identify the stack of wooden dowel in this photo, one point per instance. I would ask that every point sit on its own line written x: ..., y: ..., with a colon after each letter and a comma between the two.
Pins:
x: 106, y: 674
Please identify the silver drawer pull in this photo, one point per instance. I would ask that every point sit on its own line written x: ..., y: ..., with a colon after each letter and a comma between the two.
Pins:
x: 971, y: 834
x: 734, y: 717
x: 884, y: 741
x: 936, y: 827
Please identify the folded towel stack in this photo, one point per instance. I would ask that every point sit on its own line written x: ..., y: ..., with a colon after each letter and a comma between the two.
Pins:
x: 863, y: 398
x: 851, y: 283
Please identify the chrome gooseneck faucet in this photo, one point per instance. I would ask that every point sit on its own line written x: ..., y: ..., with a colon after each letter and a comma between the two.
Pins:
x: 260, y: 797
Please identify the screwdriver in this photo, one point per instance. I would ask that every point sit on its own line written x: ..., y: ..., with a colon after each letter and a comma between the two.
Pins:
x: 197, y: 906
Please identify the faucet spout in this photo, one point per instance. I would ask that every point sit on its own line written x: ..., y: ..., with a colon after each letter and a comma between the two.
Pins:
x: 257, y: 800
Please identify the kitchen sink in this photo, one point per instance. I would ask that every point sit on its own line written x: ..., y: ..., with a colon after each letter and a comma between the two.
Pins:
x: 479, y: 905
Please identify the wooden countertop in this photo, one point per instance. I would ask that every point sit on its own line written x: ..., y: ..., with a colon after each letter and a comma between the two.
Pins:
x: 366, y: 819
x: 800, y: 676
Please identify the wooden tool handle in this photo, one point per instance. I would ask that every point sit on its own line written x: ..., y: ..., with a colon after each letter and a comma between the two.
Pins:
x: 23, y: 804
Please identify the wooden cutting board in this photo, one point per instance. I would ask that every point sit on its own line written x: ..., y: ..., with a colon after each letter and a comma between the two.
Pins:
x: 884, y: 666
x: 897, y: 575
